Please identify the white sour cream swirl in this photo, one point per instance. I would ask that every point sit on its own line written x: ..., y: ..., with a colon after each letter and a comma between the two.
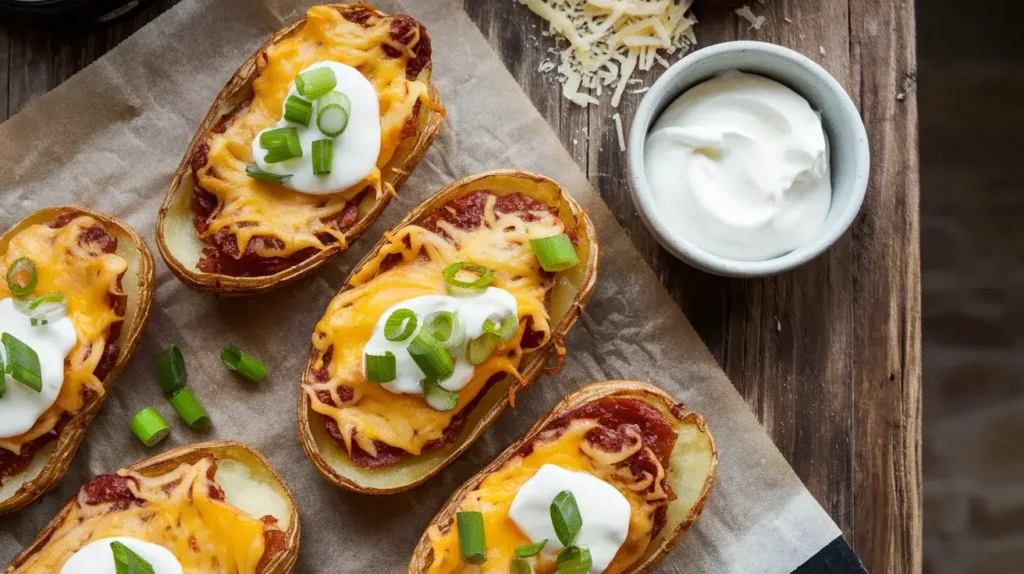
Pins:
x: 97, y: 557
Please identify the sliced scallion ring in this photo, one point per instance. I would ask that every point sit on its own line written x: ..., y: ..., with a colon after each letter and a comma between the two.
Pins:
x: 22, y: 277
x: 431, y: 357
x: 281, y: 144
x: 381, y: 368
x: 22, y: 363
x: 457, y: 283
x: 472, y: 544
x: 190, y: 409
x: 555, y: 253
x: 316, y: 82
x: 149, y: 426
x: 438, y: 397
x: 528, y: 550
x: 505, y: 330
x: 400, y: 325
x: 298, y: 110
x: 565, y: 517
x: 480, y: 348
x: 170, y: 366
x: 323, y: 156
x: 574, y: 560
x: 259, y: 175
x: 446, y: 328
x: 128, y: 562
x: 332, y: 113
x: 519, y: 566
x: 243, y: 363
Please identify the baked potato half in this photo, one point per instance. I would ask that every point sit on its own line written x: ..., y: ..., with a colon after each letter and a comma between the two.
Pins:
x: 223, y: 230
x: 206, y: 503
x: 379, y: 438
x: 592, y: 430
x: 105, y: 271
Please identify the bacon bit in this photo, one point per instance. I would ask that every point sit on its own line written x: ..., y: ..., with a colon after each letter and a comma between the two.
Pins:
x: 559, y: 355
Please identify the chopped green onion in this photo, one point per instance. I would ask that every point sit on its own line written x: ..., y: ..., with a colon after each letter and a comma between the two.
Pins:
x: 460, y: 287
x: 316, y: 82
x: 298, y: 110
x: 190, y: 410
x: 480, y: 348
x: 53, y: 297
x: 22, y: 277
x: 43, y: 308
x: 128, y: 562
x: 332, y: 112
x: 400, y: 325
x: 381, y: 368
x: 472, y: 545
x: 323, y: 156
x: 565, y: 517
x: 446, y: 329
x: 438, y: 397
x: 555, y: 253
x: 504, y: 330
x: 519, y: 566
x: 243, y: 363
x: 431, y: 357
x: 259, y: 175
x: 528, y: 550
x: 170, y: 365
x: 281, y: 144
x: 574, y: 560
x: 22, y: 363
x: 3, y: 377
x: 150, y: 427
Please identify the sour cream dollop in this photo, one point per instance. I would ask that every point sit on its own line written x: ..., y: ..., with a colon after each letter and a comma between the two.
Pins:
x: 472, y: 312
x: 21, y: 406
x: 355, y: 150
x: 97, y: 557
x: 604, y: 510
x: 739, y: 167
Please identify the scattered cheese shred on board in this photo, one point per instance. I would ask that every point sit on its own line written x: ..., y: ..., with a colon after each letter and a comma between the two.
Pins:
x: 618, y: 129
x: 607, y: 40
x: 747, y: 14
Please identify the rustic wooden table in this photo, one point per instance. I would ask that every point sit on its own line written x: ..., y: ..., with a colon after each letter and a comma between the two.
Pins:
x: 827, y: 356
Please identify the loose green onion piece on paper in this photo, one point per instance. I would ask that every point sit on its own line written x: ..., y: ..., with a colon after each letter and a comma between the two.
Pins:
x: 431, y: 357
x: 446, y: 329
x: 574, y: 560
x: 314, y: 83
x: 22, y: 363
x: 243, y: 363
x: 400, y: 325
x: 190, y: 410
x: 381, y: 368
x: 472, y: 544
x: 298, y: 110
x: 519, y: 566
x: 22, y: 277
x: 480, y: 348
x: 455, y: 278
x: 128, y: 562
x: 170, y: 365
x: 555, y: 253
x: 505, y: 330
x: 438, y: 397
x: 565, y: 517
x: 259, y: 175
x: 528, y: 550
x: 150, y: 427
x: 281, y: 144
x: 323, y: 156
x: 332, y: 113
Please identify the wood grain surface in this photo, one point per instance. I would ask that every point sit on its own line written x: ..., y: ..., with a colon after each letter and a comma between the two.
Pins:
x: 827, y: 356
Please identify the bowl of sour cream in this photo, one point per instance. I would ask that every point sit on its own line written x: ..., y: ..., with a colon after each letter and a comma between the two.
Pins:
x: 747, y: 159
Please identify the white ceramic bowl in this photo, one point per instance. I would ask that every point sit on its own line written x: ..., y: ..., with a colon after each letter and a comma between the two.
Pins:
x: 848, y: 145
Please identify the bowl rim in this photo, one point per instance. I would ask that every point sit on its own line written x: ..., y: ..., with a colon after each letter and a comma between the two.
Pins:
x: 660, y: 95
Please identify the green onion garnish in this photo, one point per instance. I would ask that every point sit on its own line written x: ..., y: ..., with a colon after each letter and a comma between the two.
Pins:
x: 53, y: 297
x: 574, y: 560
x: 128, y: 562
x: 190, y: 410
x: 170, y: 365
x: 462, y: 287
x: 22, y: 277
x: 281, y: 144
x: 438, y: 397
x: 298, y: 110
x: 528, y: 550
x: 22, y: 363
x: 431, y: 357
x: 316, y: 82
x: 565, y: 517
x: 446, y: 329
x: 323, y: 156
x: 400, y: 325
x: 519, y: 566
x: 555, y: 253
x: 480, y: 348
x: 43, y: 308
x: 381, y: 368
x: 3, y: 377
x: 259, y: 175
x: 150, y: 427
x: 472, y: 545
x: 243, y: 363
x: 504, y: 330
x: 332, y: 112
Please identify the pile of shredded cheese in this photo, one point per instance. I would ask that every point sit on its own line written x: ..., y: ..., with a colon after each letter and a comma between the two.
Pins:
x: 609, y: 39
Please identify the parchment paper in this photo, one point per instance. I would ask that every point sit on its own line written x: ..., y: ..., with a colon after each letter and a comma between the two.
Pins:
x: 110, y: 137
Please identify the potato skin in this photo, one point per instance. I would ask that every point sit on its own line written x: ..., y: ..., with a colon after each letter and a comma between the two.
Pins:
x: 140, y: 297
x: 500, y: 181
x: 423, y: 553
x: 283, y: 563
x: 175, y: 216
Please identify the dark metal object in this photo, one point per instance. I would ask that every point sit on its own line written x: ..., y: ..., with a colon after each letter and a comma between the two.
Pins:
x: 90, y: 11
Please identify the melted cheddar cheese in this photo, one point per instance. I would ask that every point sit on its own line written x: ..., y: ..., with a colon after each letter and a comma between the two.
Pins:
x: 88, y: 277
x: 571, y: 451
x: 206, y: 535
x: 249, y: 208
x: 501, y: 243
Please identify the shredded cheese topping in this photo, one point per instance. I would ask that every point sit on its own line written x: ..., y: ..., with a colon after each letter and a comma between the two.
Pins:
x: 205, y: 534
x: 87, y: 277
x: 609, y: 39
x: 501, y: 243
x: 250, y: 208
